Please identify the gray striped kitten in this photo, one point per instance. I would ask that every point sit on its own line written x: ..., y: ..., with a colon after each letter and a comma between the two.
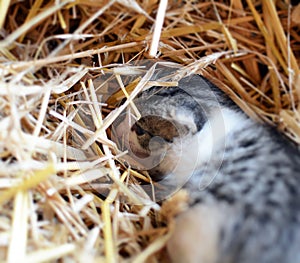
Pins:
x: 243, y: 178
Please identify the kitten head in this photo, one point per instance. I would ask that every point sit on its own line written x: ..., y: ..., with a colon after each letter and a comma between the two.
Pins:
x: 171, y: 117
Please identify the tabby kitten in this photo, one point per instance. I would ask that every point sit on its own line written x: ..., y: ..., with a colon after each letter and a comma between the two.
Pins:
x: 242, y: 177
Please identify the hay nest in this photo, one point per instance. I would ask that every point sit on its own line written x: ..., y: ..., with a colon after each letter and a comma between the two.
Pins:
x: 64, y: 195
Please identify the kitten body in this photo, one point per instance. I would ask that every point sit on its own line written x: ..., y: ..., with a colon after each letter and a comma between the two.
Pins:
x: 243, y: 177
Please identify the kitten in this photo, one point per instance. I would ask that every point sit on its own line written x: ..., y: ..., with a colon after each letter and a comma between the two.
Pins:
x: 242, y: 176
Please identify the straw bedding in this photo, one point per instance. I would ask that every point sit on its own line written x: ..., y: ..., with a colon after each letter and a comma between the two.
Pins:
x: 64, y: 194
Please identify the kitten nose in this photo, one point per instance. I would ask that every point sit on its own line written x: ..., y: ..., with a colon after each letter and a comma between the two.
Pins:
x: 155, y: 155
x: 157, y: 145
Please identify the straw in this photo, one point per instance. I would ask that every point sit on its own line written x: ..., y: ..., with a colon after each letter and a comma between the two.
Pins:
x: 69, y: 69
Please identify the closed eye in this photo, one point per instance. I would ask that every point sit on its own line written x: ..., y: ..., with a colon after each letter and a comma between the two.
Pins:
x: 138, y: 130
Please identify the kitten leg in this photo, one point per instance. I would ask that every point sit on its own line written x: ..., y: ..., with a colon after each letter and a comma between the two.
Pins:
x: 197, y: 233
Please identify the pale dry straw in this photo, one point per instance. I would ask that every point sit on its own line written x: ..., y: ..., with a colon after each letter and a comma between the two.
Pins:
x: 64, y: 194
